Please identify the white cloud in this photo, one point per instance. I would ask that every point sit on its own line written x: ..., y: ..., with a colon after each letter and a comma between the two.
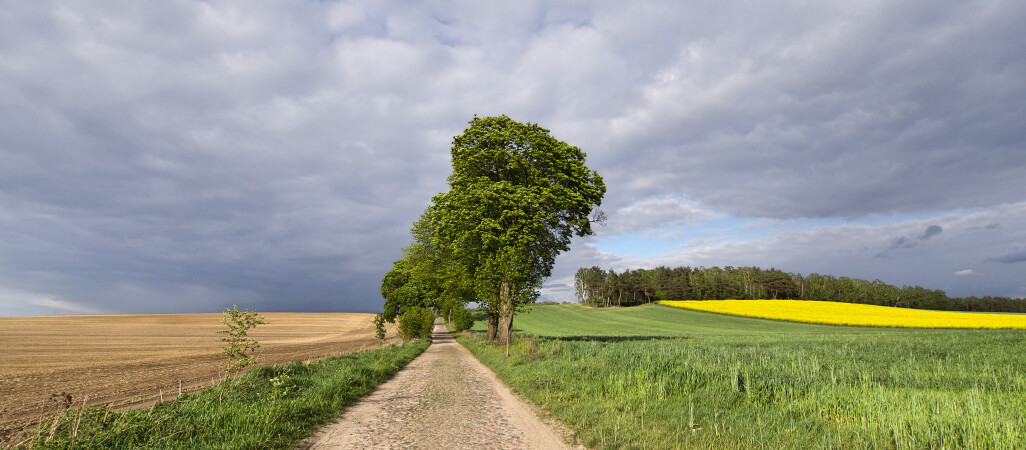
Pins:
x: 59, y: 306
x: 965, y: 273
x: 655, y: 212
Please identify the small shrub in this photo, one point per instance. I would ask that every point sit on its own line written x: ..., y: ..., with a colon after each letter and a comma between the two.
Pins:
x: 462, y: 320
x: 416, y: 323
x: 239, y: 348
x: 379, y: 326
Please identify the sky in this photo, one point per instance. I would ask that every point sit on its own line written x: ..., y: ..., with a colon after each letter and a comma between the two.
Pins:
x: 183, y: 156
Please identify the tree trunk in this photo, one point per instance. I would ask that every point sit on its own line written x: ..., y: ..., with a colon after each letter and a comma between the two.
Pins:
x: 505, y: 315
x: 493, y: 325
x: 507, y: 331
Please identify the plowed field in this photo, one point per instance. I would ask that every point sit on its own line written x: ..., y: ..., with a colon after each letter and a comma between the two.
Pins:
x: 135, y: 360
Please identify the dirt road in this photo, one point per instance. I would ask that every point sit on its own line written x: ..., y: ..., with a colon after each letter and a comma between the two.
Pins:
x: 443, y: 399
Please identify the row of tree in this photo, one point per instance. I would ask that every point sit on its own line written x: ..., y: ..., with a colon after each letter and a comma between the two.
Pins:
x: 597, y: 287
x: 516, y: 197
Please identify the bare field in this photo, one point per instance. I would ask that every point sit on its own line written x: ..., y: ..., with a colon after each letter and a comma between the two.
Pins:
x: 135, y: 360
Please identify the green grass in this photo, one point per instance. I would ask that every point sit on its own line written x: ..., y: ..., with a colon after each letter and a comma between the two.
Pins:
x: 267, y: 407
x: 662, y: 377
x: 567, y: 321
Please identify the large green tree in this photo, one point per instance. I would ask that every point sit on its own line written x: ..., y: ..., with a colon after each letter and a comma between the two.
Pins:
x: 425, y: 277
x: 517, y: 196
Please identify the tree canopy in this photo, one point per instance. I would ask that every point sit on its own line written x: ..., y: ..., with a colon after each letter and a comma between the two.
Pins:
x: 425, y: 277
x: 516, y: 198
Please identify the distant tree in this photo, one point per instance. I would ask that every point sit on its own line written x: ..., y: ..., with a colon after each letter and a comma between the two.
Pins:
x: 599, y: 288
x: 590, y: 284
x: 633, y: 287
x: 580, y: 285
x: 778, y: 284
x: 614, y: 291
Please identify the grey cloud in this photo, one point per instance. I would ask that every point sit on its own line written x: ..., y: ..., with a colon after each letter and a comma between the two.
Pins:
x: 180, y: 156
x: 903, y: 242
x: 930, y: 232
x: 1017, y: 254
x: 903, y: 116
x: 910, y: 242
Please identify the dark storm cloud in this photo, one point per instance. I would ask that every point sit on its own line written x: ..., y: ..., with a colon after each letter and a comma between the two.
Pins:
x: 183, y: 156
x: 182, y: 161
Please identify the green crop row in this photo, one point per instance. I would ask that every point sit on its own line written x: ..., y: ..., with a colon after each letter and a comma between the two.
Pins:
x: 661, y: 377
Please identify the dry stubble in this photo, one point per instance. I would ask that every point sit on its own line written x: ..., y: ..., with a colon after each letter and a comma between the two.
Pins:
x: 129, y: 360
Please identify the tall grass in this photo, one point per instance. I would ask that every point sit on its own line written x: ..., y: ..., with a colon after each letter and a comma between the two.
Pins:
x: 267, y: 407
x: 687, y: 381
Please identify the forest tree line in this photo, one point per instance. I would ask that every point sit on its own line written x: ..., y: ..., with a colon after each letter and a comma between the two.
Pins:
x: 596, y: 287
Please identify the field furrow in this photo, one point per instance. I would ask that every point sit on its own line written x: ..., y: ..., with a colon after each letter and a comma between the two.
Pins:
x: 134, y: 360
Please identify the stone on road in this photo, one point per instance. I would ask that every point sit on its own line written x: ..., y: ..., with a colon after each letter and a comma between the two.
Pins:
x: 445, y: 398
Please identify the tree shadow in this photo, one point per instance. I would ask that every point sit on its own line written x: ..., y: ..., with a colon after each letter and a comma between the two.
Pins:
x: 611, y: 338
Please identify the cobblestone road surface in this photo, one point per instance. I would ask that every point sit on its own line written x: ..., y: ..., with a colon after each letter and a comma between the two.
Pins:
x: 444, y: 398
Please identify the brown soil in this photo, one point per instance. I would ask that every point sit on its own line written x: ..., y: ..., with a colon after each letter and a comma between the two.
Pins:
x: 134, y: 360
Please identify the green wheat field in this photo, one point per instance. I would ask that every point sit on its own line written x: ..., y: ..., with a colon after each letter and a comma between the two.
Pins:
x: 661, y: 377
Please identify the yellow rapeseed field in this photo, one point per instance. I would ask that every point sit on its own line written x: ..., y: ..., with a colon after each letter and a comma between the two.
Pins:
x: 852, y: 314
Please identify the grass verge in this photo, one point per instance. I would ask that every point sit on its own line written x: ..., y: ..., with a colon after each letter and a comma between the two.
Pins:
x: 673, y: 378
x: 267, y: 407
